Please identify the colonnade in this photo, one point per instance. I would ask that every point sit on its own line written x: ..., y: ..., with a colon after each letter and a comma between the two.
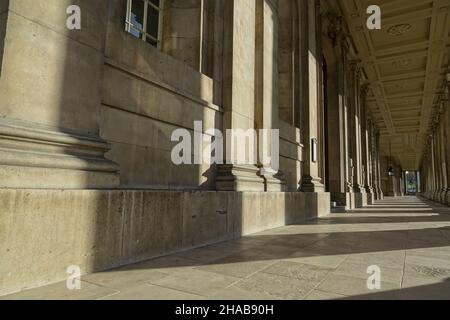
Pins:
x: 435, y: 168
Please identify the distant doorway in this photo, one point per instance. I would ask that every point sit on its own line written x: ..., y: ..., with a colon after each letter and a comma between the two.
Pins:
x: 411, y: 182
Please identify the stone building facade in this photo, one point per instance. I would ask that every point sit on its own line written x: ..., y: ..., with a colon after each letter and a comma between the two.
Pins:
x: 86, y: 118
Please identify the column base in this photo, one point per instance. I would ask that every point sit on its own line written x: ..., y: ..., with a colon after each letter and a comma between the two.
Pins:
x: 312, y: 185
x: 231, y: 177
x: 431, y: 195
x: 443, y: 196
x: 361, y: 196
x: 35, y: 156
x: 342, y: 199
x: 371, y: 196
x: 379, y: 194
x: 356, y: 200
x: 274, y: 182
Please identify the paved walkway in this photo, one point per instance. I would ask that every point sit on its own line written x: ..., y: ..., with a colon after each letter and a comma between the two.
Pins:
x: 407, y: 238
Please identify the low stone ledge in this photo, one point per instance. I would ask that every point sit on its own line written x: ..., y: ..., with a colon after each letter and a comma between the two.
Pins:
x: 42, y: 232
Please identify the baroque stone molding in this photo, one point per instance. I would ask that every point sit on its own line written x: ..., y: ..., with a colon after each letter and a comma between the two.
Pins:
x: 232, y: 177
x: 51, y: 157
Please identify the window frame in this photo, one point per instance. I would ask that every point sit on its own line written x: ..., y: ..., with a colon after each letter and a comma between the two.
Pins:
x: 144, y: 32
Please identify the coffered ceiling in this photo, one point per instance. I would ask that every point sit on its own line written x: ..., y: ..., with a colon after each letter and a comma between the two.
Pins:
x: 406, y: 63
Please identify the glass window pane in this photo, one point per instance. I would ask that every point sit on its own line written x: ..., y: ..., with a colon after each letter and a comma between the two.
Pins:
x: 137, y: 13
x: 152, y: 21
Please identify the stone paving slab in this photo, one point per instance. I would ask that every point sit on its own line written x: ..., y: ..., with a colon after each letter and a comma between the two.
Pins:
x: 407, y: 238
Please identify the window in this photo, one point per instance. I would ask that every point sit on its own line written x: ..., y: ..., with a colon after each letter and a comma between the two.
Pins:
x: 144, y: 20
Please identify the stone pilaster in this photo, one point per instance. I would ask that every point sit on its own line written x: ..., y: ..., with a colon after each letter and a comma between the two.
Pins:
x: 50, y: 93
x: 239, y: 90
x: 365, y: 146
x: 436, y: 165
x: 336, y: 112
x: 266, y: 86
x: 182, y: 38
x: 442, y: 196
x: 446, y: 121
x: 311, y: 181
x: 380, y: 194
x: 354, y: 135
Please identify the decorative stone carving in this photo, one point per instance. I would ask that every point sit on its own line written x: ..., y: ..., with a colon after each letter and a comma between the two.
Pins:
x: 365, y: 90
x: 403, y: 63
x: 399, y: 29
x: 334, y: 26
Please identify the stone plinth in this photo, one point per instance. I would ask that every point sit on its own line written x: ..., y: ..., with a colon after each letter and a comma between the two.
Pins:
x: 43, y: 232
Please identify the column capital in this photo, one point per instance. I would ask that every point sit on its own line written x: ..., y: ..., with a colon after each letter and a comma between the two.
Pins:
x: 334, y: 28
x: 446, y: 95
x: 354, y: 64
x: 364, y: 89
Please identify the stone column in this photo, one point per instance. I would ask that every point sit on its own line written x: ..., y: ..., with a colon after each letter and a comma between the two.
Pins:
x: 433, y: 167
x: 378, y: 166
x: 239, y: 92
x: 430, y: 168
x: 359, y: 132
x: 398, y: 181
x: 425, y: 168
x: 336, y: 118
x: 355, y: 135
x: 311, y: 181
x: 373, y: 161
x: 50, y: 82
x: 438, y: 164
x: 447, y: 137
x: 266, y: 85
x: 423, y: 180
x: 402, y: 183
x: 428, y: 160
x: 365, y: 146
x: 391, y: 180
x: 426, y: 176
x: 442, y: 196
